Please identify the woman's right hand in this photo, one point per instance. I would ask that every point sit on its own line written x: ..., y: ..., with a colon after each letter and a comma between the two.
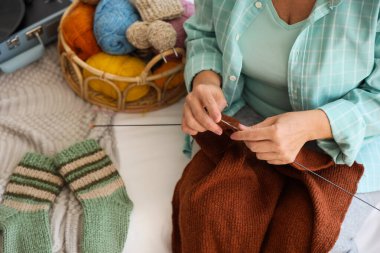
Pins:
x: 203, y: 106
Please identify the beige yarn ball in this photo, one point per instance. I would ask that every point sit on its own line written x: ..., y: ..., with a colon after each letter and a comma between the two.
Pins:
x: 162, y: 35
x: 137, y: 35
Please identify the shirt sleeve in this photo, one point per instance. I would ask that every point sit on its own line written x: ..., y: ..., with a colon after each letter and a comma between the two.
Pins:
x: 355, y: 117
x: 203, y: 52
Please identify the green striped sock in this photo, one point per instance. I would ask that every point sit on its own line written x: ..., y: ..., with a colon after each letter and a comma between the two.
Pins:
x: 93, y: 178
x: 29, y: 194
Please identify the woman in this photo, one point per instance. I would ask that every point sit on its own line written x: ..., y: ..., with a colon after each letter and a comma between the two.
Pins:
x: 293, y: 71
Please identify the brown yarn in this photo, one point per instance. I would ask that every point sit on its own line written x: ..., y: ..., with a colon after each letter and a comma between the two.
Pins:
x: 151, y: 10
x: 161, y: 35
x: 229, y: 201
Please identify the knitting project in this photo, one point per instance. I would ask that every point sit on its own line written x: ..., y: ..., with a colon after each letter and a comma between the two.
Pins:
x: 226, y: 194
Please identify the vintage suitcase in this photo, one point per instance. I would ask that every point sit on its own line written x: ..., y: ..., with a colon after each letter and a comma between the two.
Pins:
x: 26, y: 26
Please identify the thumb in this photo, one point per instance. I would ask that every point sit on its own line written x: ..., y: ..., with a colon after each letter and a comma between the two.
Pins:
x: 243, y: 127
x: 220, y: 103
x: 220, y: 100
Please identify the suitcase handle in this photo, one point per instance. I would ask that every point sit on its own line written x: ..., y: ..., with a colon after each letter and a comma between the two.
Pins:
x: 24, y: 58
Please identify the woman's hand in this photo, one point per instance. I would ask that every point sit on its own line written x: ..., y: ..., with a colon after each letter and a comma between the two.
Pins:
x: 195, y: 117
x: 203, y: 106
x: 278, y: 139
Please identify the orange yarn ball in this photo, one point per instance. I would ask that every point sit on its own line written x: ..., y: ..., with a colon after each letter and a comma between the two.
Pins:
x: 178, y: 78
x: 77, y: 29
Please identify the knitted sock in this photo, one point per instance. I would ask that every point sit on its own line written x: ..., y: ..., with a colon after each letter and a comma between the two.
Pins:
x: 24, y: 219
x: 93, y: 178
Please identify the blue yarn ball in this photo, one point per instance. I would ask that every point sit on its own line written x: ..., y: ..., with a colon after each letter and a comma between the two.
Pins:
x: 112, y: 18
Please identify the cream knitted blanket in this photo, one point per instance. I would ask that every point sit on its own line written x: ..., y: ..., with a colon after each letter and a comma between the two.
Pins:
x: 39, y: 112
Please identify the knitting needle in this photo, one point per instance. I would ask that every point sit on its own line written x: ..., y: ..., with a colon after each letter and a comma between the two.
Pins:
x: 132, y: 125
x: 337, y: 186
x: 225, y: 122
x: 138, y: 125
x: 230, y: 125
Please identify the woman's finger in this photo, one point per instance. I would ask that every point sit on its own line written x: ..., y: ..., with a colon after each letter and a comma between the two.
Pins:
x: 189, y: 124
x: 276, y: 162
x: 212, y: 108
x: 261, y: 146
x: 200, y: 114
x: 268, y: 156
x: 254, y: 134
x: 188, y: 130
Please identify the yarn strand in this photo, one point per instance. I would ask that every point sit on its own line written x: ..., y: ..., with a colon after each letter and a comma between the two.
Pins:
x: 134, y: 125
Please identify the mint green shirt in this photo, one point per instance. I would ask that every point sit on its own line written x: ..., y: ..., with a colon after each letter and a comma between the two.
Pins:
x: 265, y: 47
x: 334, y: 65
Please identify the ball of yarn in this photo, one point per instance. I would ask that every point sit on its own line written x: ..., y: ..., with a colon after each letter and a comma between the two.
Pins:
x: 178, y: 23
x: 189, y: 8
x: 178, y: 78
x: 77, y: 31
x: 122, y: 65
x: 162, y: 35
x: 112, y: 19
x: 137, y: 35
x: 92, y: 2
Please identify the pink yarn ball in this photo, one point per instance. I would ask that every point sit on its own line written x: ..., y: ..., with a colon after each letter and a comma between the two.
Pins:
x: 189, y: 8
x: 178, y: 22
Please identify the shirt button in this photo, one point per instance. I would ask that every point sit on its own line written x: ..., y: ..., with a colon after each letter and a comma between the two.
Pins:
x: 237, y: 37
x: 259, y: 5
x: 233, y: 78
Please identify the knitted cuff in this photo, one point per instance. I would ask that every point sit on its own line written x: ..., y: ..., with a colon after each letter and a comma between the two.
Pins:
x: 34, y: 184
x: 88, y: 170
x: 38, y: 161
x: 151, y: 10
x: 77, y: 152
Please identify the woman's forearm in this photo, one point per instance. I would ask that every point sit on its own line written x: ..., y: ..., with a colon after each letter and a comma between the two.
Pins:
x: 207, y: 77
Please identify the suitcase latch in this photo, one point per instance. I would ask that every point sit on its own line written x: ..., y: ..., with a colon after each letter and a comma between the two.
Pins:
x: 34, y: 32
x: 14, y: 42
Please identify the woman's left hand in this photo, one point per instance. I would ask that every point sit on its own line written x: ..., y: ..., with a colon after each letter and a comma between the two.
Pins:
x: 278, y: 139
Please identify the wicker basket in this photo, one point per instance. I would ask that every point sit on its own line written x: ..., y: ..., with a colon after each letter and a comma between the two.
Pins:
x: 72, y: 67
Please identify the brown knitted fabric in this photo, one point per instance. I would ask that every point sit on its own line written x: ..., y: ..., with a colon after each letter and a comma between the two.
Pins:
x: 151, y: 10
x: 228, y: 201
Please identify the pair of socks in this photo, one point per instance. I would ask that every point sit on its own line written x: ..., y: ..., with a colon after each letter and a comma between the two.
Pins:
x: 37, y: 180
